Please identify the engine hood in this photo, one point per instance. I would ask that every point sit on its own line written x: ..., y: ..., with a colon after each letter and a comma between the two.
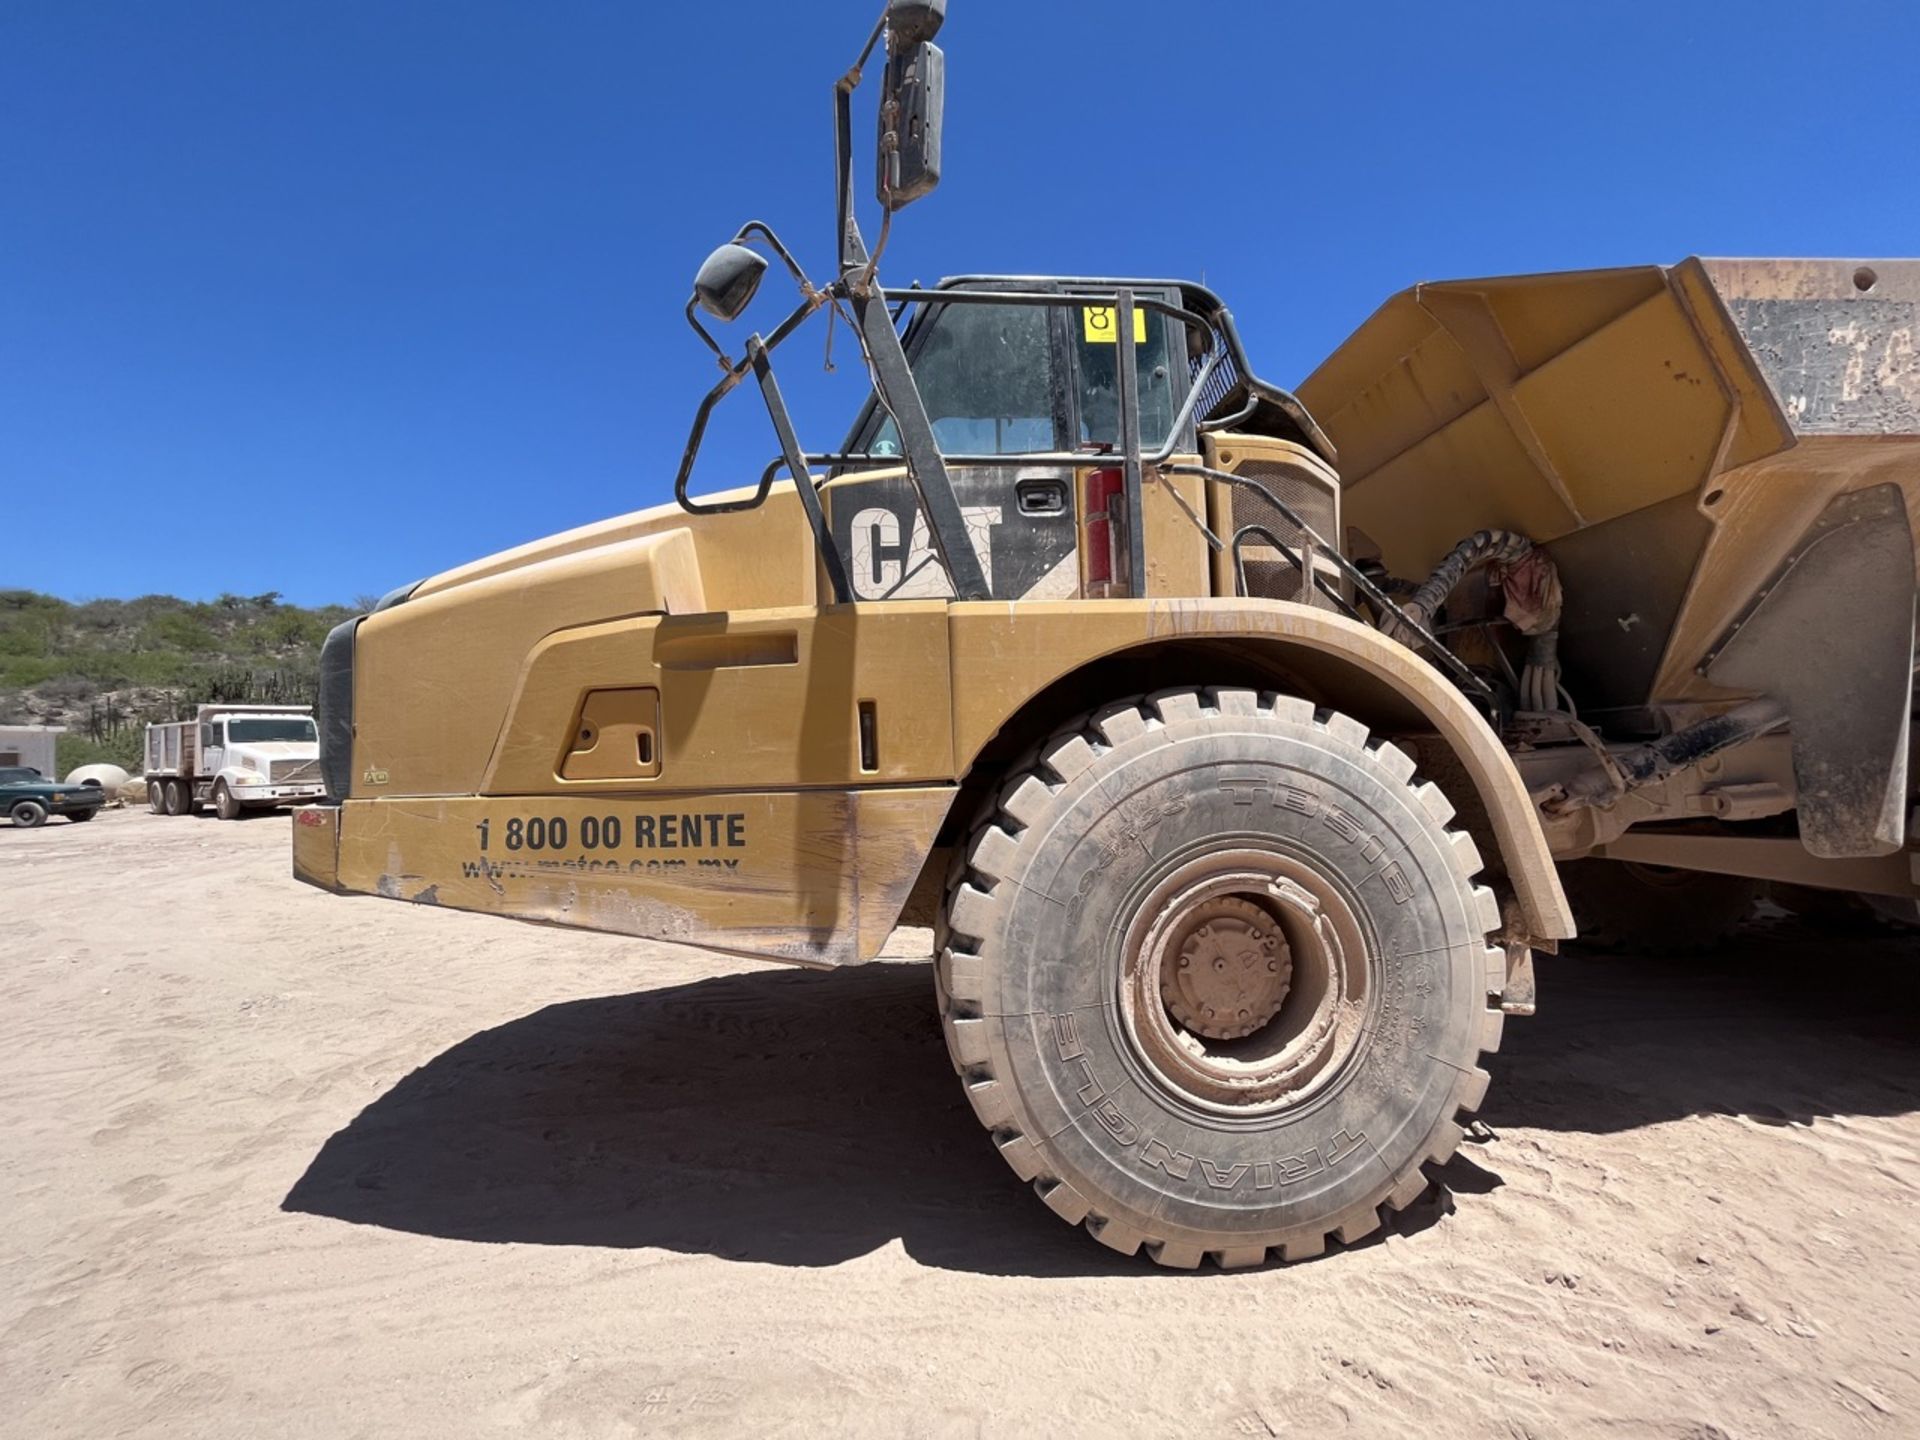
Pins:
x: 468, y: 631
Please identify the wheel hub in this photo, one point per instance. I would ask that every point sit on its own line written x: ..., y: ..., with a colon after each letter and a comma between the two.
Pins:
x: 1245, y: 979
x: 1228, y: 974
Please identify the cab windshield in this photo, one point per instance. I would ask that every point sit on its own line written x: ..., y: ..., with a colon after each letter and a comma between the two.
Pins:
x: 277, y: 727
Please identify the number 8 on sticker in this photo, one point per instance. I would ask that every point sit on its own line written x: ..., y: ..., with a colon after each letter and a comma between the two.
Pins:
x: 1098, y: 325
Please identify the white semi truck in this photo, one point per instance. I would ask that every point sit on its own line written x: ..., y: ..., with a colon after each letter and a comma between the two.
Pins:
x: 234, y: 758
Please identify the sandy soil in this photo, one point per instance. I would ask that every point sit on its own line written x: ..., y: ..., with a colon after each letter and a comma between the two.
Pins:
x: 278, y: 1163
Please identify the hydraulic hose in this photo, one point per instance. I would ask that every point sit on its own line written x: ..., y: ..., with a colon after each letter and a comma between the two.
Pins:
x: 1624, y: 771
x: 1476, y: 550
x: 1531, y: 585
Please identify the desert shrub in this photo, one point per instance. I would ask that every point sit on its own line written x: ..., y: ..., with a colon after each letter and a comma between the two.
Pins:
x: 123, y: 748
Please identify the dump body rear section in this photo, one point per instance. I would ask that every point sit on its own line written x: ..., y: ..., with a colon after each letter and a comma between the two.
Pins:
x: 1723, y: 458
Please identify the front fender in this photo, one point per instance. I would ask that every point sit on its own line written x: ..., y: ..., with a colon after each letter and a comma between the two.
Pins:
x: 1029, y: 647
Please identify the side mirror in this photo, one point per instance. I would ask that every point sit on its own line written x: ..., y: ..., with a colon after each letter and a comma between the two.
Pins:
x: 911, y: 101
x: 727, y: 281
x: 910, y: 108
x: 911, y: 21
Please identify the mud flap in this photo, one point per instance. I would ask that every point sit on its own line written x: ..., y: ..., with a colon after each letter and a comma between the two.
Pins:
x: 1832, y: 635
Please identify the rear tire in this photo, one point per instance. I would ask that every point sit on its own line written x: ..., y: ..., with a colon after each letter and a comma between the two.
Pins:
x: 1654, y: 910
x: 157, y: 796
x: 78, y: 816
x: 176, y: 798
x: 224, y: 805
x: 28, y: 814
x: 1216, y: 977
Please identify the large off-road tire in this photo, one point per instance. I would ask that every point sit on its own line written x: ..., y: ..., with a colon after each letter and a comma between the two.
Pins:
x: 1216, y: 976
x: 27, y: 814
x: 224, y: 805
x: 177, y: 796
x: 1653, y: 909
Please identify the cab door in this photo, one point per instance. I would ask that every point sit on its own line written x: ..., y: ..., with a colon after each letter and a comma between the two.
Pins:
x: 1004, y: 380
x: 995, y: 380
x: 213, y: 748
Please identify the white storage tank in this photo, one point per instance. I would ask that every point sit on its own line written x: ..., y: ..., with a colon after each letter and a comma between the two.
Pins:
x: 109, y: 778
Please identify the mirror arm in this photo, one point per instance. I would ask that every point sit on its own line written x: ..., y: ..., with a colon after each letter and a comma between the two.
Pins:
x: 692, y: 452
x: 848, y: 245
x: 735, y: 371
x: 701, y: 331
x: 765, y: 232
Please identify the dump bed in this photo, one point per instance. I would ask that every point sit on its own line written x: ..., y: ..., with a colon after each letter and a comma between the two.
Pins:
x: 1723, y: 457
x: 171, y: 747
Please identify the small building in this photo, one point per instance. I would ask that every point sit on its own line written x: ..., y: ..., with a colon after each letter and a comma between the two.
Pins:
x: 30, y: 745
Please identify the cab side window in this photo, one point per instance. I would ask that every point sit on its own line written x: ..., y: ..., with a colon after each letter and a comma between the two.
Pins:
x: 986, y: 374
x: 1097, y: 352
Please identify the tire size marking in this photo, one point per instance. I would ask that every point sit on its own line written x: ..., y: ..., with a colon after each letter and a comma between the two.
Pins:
x: 1137, y: 824
x: 1401, y: 1024
x: 1282, y: 796
x: 1151, y: 1153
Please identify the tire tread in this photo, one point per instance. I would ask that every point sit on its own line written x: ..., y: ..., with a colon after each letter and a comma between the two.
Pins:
x: 987, y: 859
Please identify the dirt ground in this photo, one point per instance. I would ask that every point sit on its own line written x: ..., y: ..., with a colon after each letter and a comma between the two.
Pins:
x: 279, y: 1163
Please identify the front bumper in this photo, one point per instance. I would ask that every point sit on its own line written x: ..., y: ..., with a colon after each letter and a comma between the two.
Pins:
x: 816, y: 877
x: 68, y: 804
x: 278, y: 794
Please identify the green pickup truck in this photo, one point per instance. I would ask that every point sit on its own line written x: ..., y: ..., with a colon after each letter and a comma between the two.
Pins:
x: 28, y: 797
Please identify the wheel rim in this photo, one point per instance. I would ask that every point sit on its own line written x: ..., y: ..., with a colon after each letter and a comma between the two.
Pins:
x: 1270, y: 946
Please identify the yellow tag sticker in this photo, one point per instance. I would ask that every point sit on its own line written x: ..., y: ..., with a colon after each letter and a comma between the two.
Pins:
x: 1100, y: 327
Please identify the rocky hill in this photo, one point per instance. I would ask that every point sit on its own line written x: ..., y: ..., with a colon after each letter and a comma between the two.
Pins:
x: 104, y: 668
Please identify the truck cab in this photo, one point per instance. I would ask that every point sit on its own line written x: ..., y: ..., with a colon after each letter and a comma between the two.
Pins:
x: 271, y: 759
x: 1006, y: 381
x: 234, y: 758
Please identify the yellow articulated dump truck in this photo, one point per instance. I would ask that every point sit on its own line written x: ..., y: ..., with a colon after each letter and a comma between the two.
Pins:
x: 1228, y: 738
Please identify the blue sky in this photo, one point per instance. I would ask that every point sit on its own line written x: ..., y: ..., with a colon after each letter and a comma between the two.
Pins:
x: 323, y: 298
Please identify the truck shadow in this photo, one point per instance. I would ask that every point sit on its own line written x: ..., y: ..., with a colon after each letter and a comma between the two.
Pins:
x: 804, y: 1119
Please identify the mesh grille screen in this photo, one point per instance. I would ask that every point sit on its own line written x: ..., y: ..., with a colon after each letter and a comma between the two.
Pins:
x: 1221, y: 384
x: 1275, y: 578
